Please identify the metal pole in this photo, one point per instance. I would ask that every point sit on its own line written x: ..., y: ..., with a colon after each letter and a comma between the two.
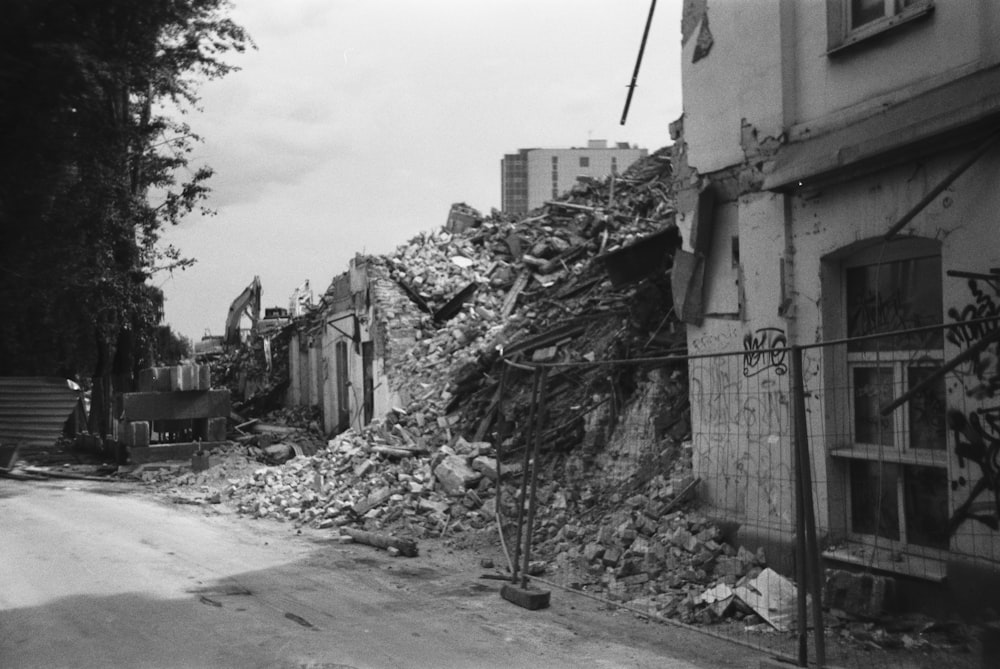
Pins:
x: 529, y: 525
x: 529, y: 438
x: 800, y: 557
x: 638, y: 62
x: 812, y: 567
x: 501, y: 434
x: 937, y: 190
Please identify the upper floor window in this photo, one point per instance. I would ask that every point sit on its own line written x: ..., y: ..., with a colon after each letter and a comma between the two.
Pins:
x: 584, y: 161
x: 850, y: 21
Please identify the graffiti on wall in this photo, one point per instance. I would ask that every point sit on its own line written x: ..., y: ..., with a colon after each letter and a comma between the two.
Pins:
x: 977, y: 431
x: 983, y: 366
x: 977, y: 439
x: 764, y: 350
x: 737, y: 421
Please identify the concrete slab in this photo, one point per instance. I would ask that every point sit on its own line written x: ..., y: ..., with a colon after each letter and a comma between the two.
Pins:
x: 174, y: 406
x: 165, y: 452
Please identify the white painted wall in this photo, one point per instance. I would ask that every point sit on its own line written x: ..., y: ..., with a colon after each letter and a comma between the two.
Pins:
x: 959, y: 36
x: 768, y: 68
x: 739, y: 80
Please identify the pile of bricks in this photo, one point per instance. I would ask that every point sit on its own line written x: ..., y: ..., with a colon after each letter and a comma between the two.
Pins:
x: 530, y: 276
x: 379, y: 480
x: 647, y: 549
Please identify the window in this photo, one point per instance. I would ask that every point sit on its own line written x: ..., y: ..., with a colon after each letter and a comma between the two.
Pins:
x: 584, y: 161
x: 896, y: 465
x: 851, y: 21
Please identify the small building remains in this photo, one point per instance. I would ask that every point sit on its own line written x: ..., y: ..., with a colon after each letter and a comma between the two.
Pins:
x: 342, y: 356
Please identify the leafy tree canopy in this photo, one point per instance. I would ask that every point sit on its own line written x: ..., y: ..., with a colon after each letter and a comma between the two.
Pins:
x: 93, y: 169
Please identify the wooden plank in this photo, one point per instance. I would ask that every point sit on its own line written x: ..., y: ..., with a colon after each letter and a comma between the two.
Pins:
x: 406, y: 547
x: 173, y: 406
x: 515, y: 291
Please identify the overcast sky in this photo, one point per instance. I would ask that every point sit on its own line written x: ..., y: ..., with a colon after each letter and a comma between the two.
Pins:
x: 357, y: 123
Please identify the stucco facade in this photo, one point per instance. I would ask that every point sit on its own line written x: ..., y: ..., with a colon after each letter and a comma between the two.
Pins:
x: 822, y: 157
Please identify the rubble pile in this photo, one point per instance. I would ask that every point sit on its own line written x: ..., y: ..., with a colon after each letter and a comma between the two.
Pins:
x: 539, y: 287
x: 378, y: 479
x: 643, y: 546
x: 256, y: 374
x: 535, y: 286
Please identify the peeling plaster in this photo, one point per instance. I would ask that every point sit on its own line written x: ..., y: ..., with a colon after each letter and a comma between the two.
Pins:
x: 703, y: 45
x: 732, y: 182
x: 693, y: 12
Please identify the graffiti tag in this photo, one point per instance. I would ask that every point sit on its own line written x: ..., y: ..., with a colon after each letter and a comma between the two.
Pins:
x: 764, y: 350
x: 977, y: 439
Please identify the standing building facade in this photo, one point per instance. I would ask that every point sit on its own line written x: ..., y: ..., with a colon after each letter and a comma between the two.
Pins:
x: 531, y: 176
x: 837, y: 166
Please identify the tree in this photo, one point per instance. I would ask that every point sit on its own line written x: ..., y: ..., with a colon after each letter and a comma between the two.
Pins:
x: 94, y: 168
x: 169, y: 348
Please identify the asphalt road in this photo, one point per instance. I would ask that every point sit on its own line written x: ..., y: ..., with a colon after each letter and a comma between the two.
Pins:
x: 100, y: 575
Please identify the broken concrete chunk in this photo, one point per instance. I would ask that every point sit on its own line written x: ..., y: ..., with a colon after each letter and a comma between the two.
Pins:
x: 485, y: 466
x: 859, y: 594
x: 435, y: 506
x: 773, y: 597
x: 455, y: 475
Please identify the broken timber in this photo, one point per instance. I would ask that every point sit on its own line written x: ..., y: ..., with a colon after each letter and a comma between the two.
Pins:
x: 406, y: 547
x: 515, y: 291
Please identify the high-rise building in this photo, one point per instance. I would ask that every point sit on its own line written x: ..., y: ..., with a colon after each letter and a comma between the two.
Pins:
x: 531, y: 176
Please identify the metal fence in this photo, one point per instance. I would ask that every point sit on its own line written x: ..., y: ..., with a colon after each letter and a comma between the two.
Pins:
x: 851, y: 485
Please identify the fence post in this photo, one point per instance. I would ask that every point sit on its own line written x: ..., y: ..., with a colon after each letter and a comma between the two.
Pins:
x: 800, y: 523
x: 809, y: 570
x: 535, y: 466
x: 528, y: 441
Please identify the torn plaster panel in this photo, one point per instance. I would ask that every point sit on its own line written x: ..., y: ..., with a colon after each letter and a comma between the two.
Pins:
x: 721, y: 291
x: 691, y: 16
x: 740, y: 79
x: 761, y: 248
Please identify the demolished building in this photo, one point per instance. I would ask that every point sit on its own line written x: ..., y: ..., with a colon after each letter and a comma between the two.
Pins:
x: 345, y: 350
x: 836, y: 174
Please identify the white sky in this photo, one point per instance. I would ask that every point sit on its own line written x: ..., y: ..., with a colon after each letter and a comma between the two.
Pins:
x: 357, y: 123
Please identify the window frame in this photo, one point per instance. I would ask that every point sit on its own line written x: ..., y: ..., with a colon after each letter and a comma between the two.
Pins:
x: 840, y: 34
x: 900, y: 454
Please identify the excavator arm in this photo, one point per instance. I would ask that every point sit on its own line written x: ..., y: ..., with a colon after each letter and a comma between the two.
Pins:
x: 247, y: 302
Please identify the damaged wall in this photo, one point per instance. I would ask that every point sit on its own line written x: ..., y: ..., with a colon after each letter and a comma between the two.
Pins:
x: 735, y: 81
x: 344, y: 356
x: 811, y: 158
x: 959, y: 221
